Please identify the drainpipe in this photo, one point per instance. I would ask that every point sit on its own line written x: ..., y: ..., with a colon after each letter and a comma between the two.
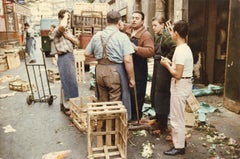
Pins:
x: 180, y: 10
x: 160, y: 8
x: 138, y: 5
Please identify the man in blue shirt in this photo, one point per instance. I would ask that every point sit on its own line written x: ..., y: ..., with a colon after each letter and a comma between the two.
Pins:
x: 114, y: 71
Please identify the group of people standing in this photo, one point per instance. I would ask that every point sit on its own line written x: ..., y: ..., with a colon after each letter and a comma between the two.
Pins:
x: 122, y: 51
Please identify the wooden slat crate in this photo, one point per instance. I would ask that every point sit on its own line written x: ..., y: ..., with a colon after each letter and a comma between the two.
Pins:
x: 150, y: 66
x: 192, y: 104
x: 53, y: 75
x: 78, y: 111
x: 13, y: 60
x: 79, y: 65
x: 3, y: 63
x: 191, y: 119
x: 19, y: 85
x: 107, y: 130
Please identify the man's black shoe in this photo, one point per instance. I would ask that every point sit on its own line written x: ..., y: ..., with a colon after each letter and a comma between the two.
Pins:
x: 63, y: 108
x: 173, y: 151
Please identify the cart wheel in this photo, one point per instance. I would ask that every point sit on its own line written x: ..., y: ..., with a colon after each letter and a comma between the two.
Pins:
x: 50, y: 100
x: 29, y: 99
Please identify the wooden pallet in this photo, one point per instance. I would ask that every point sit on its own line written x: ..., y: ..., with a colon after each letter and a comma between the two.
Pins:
x: 53, y: 75
x: 78, y: 111
x: 107, y: 130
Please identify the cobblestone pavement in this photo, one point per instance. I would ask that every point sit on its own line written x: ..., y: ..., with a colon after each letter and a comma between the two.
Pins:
x: 42, y: 129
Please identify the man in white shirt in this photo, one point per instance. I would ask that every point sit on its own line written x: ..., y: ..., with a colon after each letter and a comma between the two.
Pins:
x: 181, y: 68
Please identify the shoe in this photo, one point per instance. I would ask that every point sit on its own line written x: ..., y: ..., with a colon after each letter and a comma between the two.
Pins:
x: 32, y: 61
x: 173, y: 151
x: 63, y: 108
x: 67, y: 113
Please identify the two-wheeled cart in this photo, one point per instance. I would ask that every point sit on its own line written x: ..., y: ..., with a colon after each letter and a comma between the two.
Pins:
x: 41, y: 82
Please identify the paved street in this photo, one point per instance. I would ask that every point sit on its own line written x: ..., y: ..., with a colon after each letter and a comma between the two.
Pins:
x: 42, y: 129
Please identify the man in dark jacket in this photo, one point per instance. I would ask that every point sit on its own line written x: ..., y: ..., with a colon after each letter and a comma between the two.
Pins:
x: 160, y: 90
x: 143, y: 45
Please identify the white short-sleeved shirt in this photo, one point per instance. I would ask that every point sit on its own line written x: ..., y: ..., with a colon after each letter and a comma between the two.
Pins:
x: 183, y: 56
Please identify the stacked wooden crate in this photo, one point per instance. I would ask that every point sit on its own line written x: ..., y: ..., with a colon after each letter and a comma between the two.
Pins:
x: 107, y: 130
x: 191, y: 117
x: 78, y: 111
x: 53, y: 75
x: 79, y: 65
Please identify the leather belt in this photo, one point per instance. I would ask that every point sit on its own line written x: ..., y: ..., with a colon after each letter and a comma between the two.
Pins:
x: 105, y: 61
x: 186, y: 77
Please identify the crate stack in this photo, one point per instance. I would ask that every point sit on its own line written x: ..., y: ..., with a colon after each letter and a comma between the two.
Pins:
x: 79, y: 65
x: 78, y: 111
x: 89, y: 18
x: 107, y: 130
x: 53, y: 75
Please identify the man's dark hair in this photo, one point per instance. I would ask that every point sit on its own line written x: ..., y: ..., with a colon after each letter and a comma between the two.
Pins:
x: 26, y: 24
x: 54, y: 26
x: 140, y: 12
x: 113, y: 17
x: 182, y: 28
x: 62, y: 12
x: 160, y: 19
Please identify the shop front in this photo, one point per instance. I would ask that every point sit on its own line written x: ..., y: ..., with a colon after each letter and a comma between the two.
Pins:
x: 12, y: 18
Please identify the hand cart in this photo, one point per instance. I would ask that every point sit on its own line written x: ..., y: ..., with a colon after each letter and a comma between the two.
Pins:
x: 37, y: 68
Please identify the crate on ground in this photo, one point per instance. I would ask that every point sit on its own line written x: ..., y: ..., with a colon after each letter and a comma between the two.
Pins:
x: 79, y: 65
x: 19, y: 85
x: 107, y: 130
x: 13, y: 60
x: 78, y: 111
x: 192, y: 104
x: 53, y: 75
x: 3, y: 63
x: 191, y: 119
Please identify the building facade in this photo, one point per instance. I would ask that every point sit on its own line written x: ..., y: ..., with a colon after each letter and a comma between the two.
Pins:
x: 12, y: 18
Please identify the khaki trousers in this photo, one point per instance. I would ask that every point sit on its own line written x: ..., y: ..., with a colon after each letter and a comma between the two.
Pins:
x: 108, y: 83
x: 180, y: 90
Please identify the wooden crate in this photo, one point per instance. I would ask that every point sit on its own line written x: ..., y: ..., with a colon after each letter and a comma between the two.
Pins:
x: 78, y: 111
x: 3, y: 63
x: 191, y: 119
x: 13, y: 60
x: 107, y: 130
x: 79, y: 65
x: 19, y: 85
x: 192, y: 104
x: 53, y: 75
